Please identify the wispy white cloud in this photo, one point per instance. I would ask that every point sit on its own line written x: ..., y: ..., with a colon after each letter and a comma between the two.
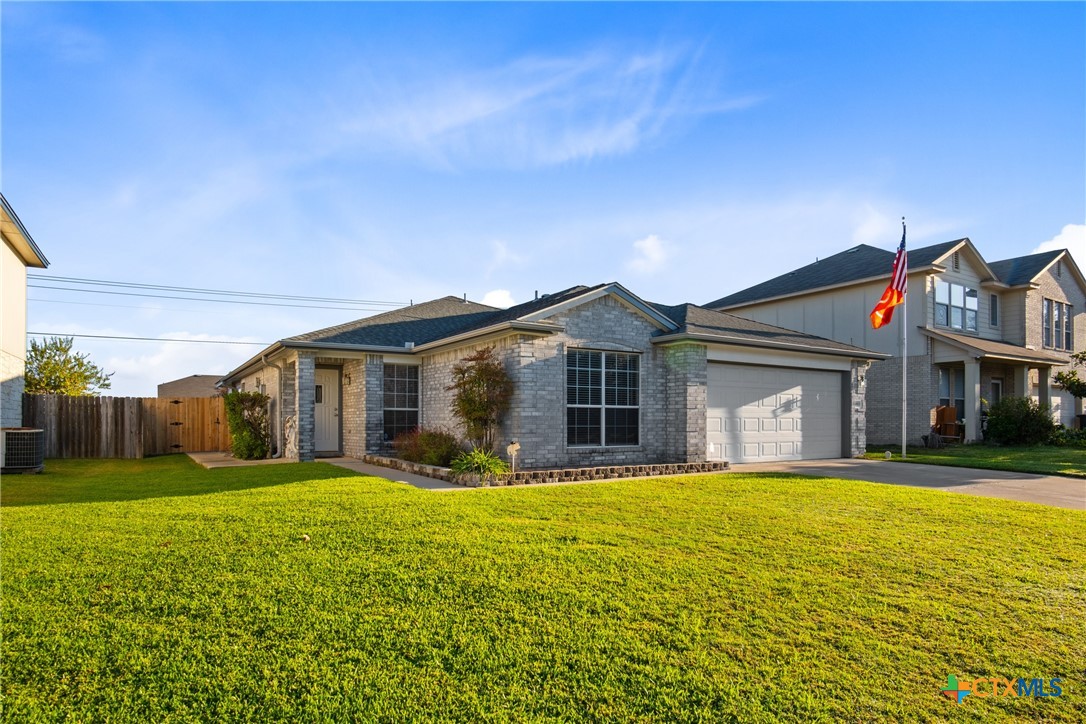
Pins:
x: 650, y: 254
x: 1071, y: 237
x: 534, y: 111
x: 44, y: 28
x: 500, y: 298
x: 502, y: 256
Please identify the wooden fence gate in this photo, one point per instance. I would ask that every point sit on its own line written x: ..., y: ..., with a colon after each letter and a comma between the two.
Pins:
x: 127, y: 427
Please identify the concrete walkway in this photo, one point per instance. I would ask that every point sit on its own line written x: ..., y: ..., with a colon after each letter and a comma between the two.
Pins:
x: 212, y: 460
x: 399, y: 476
x: 1044, y: 489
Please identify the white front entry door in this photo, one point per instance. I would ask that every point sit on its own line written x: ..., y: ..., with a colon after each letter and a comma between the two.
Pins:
x: 326, y: 410
x: 761, y: 414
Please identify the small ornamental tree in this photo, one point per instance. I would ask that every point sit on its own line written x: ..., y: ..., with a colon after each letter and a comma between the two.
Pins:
x: 247, y: 416
x: 53, y: 369
x: 1069, y: 380
x: 483, y: 392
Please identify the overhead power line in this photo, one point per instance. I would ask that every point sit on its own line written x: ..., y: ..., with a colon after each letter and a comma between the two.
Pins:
x: 146, y: 339
x: 198, y: 290
x: 205, y: 299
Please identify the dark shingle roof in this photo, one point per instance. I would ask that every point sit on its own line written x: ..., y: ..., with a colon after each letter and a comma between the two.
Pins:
x: 419, y: 323
x: 859, y: 262
x: 700, y: 321
x: 431, y: 321
x: 1022, y: 269
x: 1000, y: 349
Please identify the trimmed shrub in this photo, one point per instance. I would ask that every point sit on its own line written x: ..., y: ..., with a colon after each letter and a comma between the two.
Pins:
x: 247, y: 416
x: 1066, y: 437
x: 481, y: 462
x: 429, y: 447
x: 1019, y: 421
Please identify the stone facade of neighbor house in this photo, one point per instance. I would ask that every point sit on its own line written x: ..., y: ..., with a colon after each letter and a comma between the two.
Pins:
x: 976, y: 331
x: 17, y: 253
x: 600, y: 377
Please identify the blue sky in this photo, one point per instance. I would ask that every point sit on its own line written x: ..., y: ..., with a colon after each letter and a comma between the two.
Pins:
x: 397, y: 152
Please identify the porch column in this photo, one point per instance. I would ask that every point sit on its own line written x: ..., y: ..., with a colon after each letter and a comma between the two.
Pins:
x: 1044, y: 387
x: 305, y: 381
x: 972, y: 400
x: 1021, y: 381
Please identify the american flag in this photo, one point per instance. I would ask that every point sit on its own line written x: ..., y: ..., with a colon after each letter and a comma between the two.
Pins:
x: 896, y: 289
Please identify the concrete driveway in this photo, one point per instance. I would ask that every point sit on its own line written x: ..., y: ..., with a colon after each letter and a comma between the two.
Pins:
x: 1044, y: 489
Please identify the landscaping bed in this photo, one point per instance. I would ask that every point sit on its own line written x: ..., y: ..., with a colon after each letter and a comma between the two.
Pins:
x: 548, y: 475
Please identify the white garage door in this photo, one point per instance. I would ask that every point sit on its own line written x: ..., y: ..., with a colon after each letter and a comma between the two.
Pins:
x: 761, y: 414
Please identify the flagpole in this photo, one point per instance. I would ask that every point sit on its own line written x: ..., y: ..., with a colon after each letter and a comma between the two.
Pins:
x: 904, y: 349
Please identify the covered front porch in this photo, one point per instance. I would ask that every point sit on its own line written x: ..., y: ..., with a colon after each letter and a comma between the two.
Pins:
x: 974, y: 373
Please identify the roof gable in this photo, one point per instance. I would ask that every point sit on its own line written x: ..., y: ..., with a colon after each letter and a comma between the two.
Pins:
x: 1024, y: 270
x: 583, y: 295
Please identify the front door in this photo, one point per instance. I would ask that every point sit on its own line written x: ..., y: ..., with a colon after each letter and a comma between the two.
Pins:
x: 326, y: 410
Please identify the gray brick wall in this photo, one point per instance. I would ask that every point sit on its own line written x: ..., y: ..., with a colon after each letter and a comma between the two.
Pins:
x: 374, y: 402
x: 1062, y: 288
x: 883, y: 400
x: 537, y: 417
x: 686, y: 398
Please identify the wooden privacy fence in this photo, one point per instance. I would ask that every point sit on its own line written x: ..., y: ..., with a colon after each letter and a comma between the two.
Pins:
x: 127, y: 427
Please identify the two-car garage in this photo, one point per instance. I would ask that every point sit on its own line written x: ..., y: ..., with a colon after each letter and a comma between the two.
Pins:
x: 758, y: 413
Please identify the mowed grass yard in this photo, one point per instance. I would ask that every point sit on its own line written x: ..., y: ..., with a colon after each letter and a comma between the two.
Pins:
x: 187, y: 594
x: 1042, y: 460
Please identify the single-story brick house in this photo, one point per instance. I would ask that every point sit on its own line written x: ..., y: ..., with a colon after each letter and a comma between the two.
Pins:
x: 600, y: 377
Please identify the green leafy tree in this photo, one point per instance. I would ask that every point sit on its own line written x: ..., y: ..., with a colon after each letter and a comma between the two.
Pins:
x: 483, y: 392
x: 52, y: 368
x: 1070, y: 380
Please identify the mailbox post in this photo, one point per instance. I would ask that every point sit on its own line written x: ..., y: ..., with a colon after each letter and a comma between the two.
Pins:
x: 511, y: 449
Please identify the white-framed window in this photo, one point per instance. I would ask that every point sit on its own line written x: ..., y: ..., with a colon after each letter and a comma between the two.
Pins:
x: 401, y: 400
x: 993, y: 310
x: 1056, y: 325
x: 956, y: 306
x: 603, y: 398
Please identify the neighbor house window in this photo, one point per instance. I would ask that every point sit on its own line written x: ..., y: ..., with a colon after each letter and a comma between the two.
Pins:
x: 952, y: 390
x: 401, y: 399
x: 1056, y: 318
x: 955, y: 306
x: 993, y: 310
x: 603, y: 398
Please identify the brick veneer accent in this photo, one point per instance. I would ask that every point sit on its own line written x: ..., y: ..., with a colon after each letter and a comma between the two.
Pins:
x: 304, y: 384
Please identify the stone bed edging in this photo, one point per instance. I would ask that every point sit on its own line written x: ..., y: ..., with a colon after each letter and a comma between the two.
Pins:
x: 549, y: 475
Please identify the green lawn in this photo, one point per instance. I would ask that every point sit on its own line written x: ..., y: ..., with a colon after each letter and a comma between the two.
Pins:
x: 1043, y: 460
x: 190, y: 595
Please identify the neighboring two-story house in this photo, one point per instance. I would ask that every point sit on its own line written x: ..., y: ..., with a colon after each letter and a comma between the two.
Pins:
x: 976, y: 331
